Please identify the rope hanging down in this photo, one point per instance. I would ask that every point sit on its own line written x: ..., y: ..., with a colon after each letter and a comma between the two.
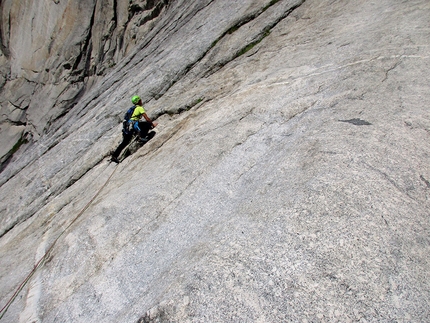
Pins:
x: 45, y: 256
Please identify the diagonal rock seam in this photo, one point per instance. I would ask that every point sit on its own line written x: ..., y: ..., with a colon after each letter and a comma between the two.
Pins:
x: 185, y: 71
x: 266, y: 187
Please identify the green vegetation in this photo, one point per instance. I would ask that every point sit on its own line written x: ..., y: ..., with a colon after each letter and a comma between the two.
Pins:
x: 19, y: 143
x: 233, y: 29
x: 238, y: 25
x: 11, y: 152
x: 271, y: 3
x: 251, y: 45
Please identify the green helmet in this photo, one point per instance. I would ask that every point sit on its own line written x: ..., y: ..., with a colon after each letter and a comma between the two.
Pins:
x: 135, y: 99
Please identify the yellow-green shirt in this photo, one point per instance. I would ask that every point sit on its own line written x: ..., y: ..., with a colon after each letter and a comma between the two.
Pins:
x: 138, y: 112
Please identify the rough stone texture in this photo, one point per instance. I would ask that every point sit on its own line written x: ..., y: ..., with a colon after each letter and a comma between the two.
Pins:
x: 289, y: 179
x: 53, y: 51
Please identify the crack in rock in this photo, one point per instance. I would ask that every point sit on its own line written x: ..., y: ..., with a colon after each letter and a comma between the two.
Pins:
x: 425, y: 181
x: 357, y: 122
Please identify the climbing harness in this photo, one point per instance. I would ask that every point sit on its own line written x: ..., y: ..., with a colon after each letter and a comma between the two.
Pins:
x: 45, y: 256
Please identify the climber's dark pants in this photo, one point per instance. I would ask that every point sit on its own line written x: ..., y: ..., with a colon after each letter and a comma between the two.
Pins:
x: 141, y: 127
x: 125, y: 141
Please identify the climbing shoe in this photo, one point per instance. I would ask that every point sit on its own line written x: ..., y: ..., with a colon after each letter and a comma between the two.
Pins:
x: 143, y: 140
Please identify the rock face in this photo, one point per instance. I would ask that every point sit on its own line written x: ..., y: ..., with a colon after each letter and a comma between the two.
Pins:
x: 52, y: 52
x: 289, y: 180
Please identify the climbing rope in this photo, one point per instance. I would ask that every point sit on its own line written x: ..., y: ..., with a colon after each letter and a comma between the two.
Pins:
x: 45, y: 256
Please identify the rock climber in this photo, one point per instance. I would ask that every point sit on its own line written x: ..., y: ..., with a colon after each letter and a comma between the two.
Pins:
x: 134, y: 126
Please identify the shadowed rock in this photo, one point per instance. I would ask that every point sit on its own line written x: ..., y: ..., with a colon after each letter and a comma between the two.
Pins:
x: 253, y: 203
x: 357, y: 122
